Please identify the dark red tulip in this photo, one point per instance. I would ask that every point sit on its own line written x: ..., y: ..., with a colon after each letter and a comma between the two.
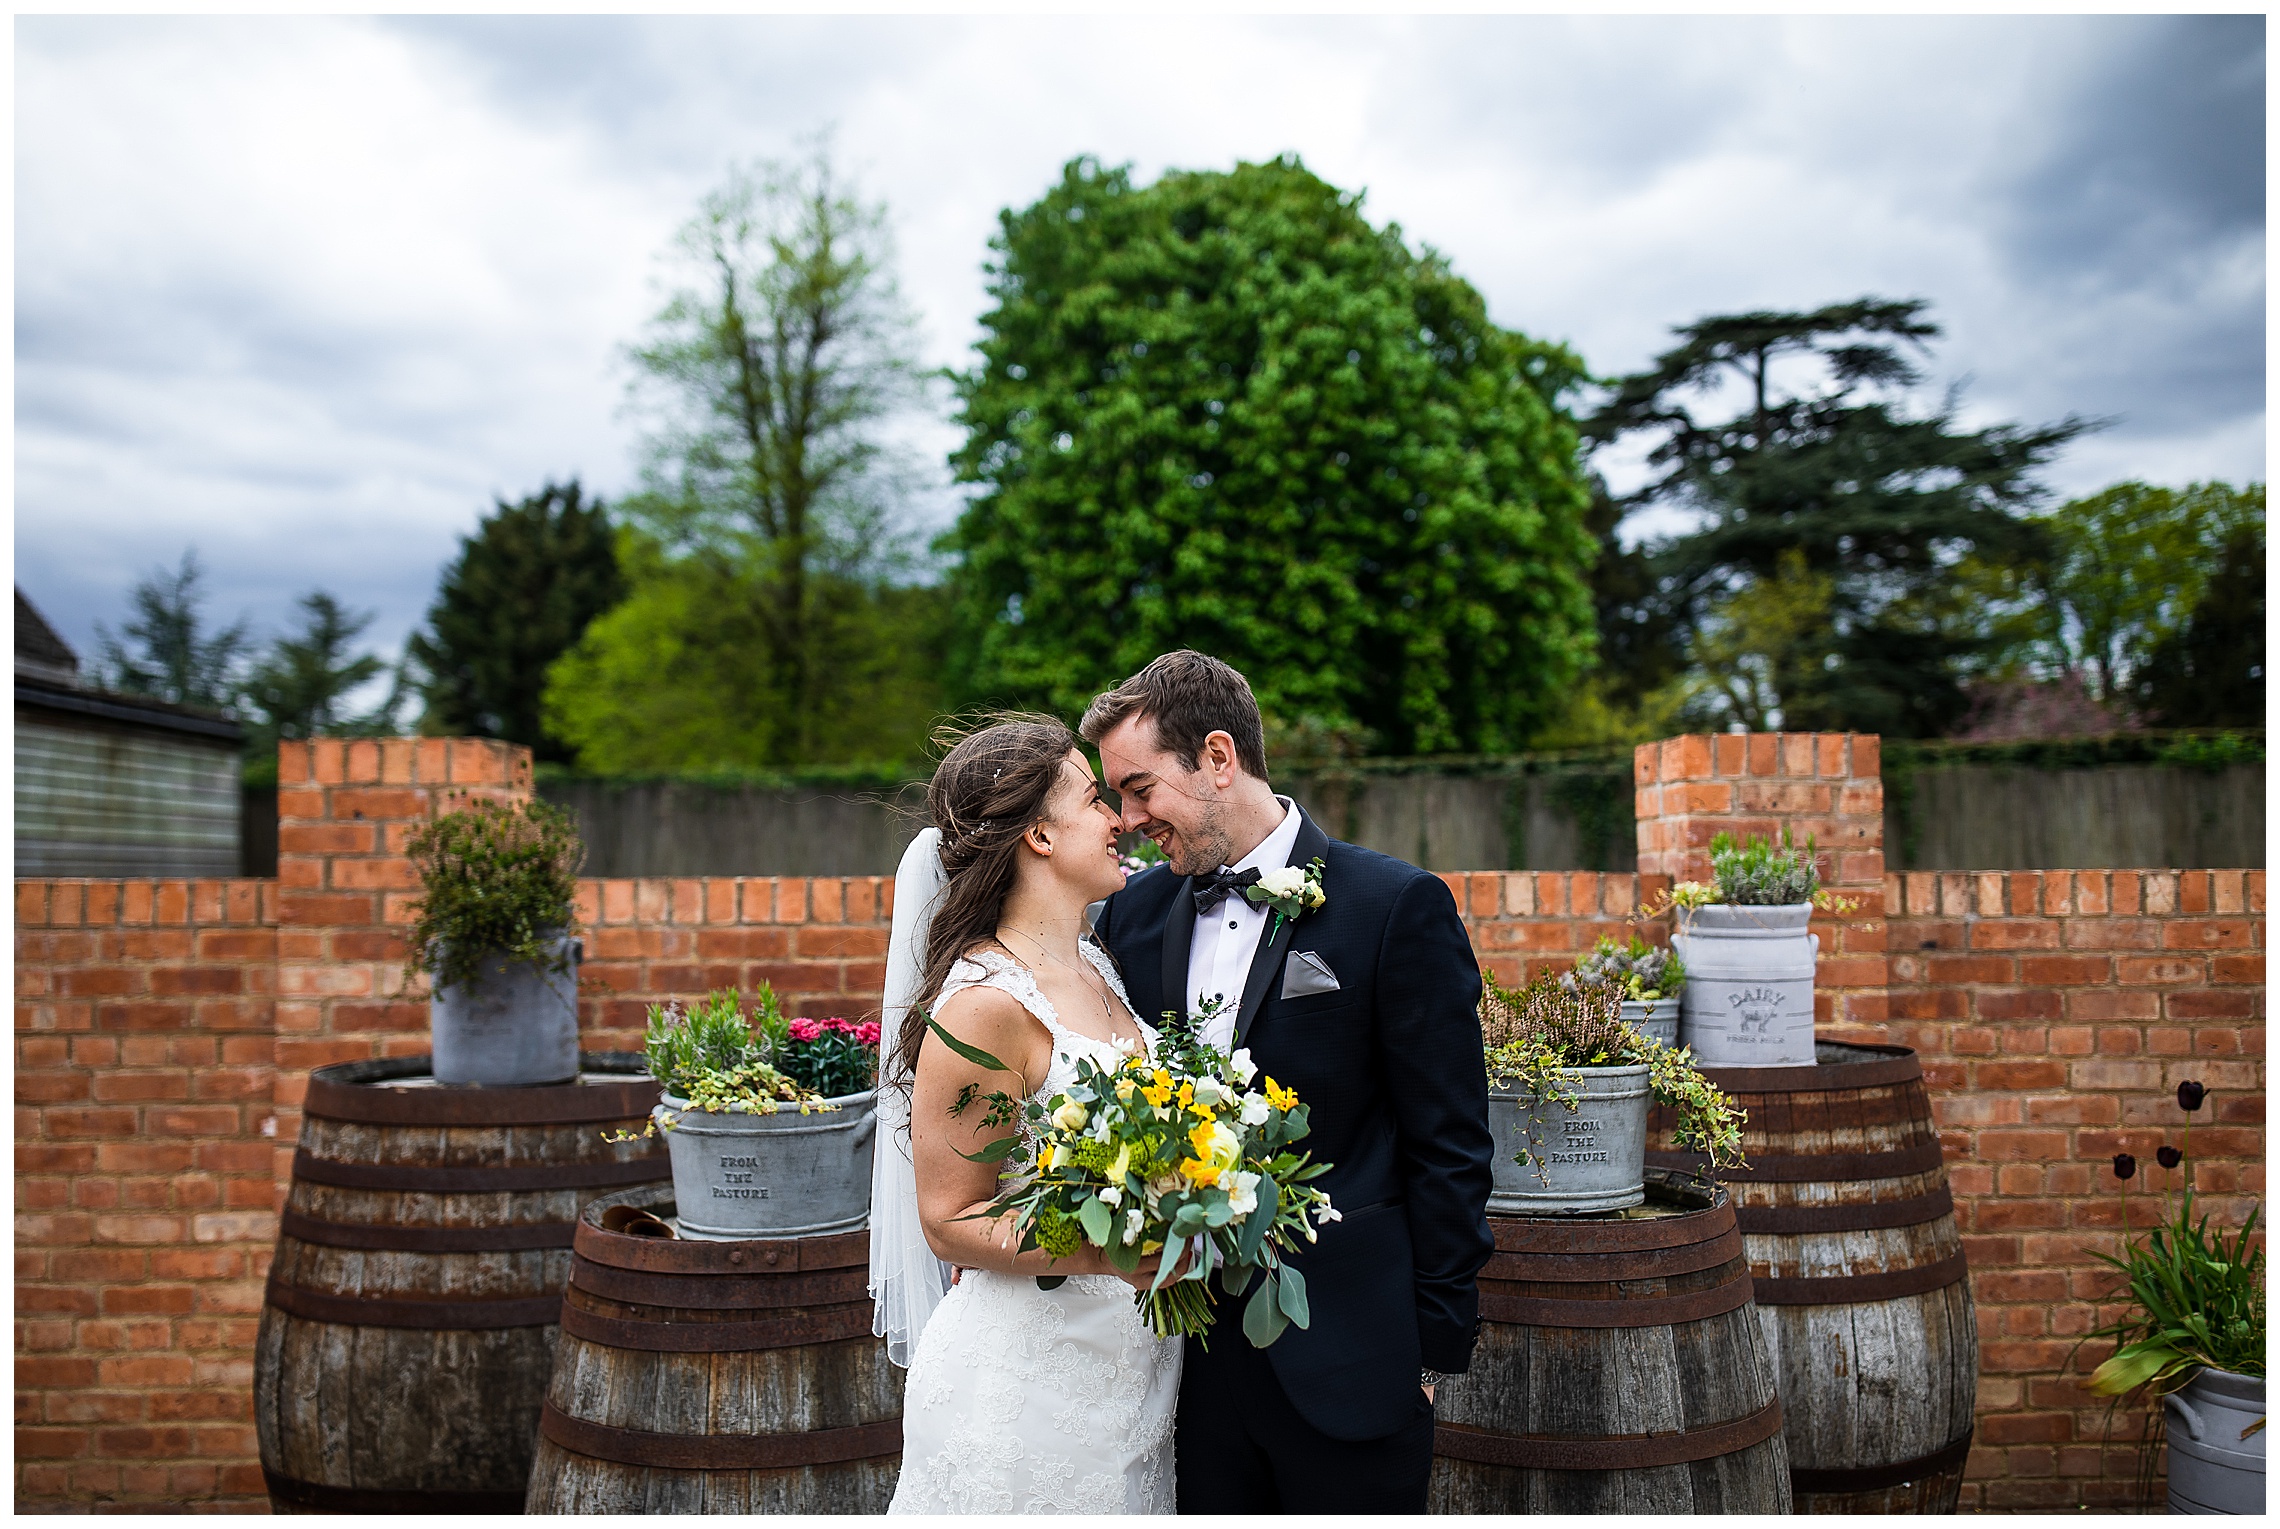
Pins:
x: 2169, y: 1157
x: 2125, y: 1166
x: 2189, y: 1096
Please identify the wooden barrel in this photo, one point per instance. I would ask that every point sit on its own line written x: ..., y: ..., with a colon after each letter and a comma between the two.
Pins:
x: 717, y: 1377
x: 1619, y: 1369
x: 408, y: 1329
x: 1861, y: 1285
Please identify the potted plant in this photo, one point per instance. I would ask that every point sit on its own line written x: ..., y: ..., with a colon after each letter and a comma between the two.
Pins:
x: 2190, y: 1336
x: 495, y: 930
x: 768, y: 1120
x: 1570, y: 1085
x: 1648, y: 976
x: 1749, y: 959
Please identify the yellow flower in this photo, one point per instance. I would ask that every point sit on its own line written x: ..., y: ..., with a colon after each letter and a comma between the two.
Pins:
x: 1216, y: 1150
x: 1280, y: 1097
x: 1158, y: 1092
x: 1045, y: 1156
x: 1187, y: 1094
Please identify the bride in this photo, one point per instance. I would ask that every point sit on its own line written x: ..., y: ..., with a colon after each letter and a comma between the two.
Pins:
x: 1020, y: 1399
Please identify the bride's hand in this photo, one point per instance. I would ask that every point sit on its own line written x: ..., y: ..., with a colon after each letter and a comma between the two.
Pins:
x: 1143, y: 1274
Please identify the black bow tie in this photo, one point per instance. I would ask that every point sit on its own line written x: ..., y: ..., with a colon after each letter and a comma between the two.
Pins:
x: 1211, y: 890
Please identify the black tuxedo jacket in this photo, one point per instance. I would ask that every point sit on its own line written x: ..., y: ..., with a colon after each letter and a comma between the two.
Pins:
x: 1390, y: 1068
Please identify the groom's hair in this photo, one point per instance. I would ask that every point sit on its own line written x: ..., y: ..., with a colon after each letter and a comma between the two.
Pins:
x: 1189, y: 696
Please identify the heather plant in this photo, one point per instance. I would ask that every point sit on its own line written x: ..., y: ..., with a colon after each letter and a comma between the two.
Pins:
x: 498, y: 880
x: 1534, y: 1039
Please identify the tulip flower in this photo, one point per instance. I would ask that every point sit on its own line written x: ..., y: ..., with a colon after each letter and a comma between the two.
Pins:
x: 2169, y: 1157
x: 2125, y: 1166
x: 2189, y: 1096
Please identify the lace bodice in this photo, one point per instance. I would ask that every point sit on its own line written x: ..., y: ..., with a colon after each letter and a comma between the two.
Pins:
x: 987, y: 968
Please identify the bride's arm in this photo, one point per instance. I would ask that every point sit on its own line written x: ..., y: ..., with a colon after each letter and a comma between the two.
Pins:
x: 951, y: 1188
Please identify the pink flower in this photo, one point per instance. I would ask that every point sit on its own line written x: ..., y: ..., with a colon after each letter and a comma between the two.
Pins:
x: 805, y: 1030
x: 838, y: 1026
x: 868, y: 1032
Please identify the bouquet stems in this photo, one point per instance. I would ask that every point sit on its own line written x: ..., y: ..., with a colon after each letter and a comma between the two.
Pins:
x: 1181, y: 1309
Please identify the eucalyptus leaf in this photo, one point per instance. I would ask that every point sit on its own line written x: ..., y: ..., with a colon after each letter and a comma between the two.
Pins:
x: 1094, y: 1217
x: 1263, y: 1321
x: 1290, y: 1295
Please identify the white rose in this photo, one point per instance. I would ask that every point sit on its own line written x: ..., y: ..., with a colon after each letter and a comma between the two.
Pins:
x: 1070, y: 1116
x: 1282, y: 883
x: 1241, y: 1065
x: 1255, y: 1110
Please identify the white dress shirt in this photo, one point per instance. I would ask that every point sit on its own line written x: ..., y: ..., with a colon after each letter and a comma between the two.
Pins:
x: 1219, y: 962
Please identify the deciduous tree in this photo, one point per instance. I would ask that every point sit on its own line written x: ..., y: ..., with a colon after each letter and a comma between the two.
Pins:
x: 770, y: 504
x: 1224, y: 411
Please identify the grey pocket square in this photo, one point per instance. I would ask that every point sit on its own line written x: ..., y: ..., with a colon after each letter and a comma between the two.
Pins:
x: 1306, y: 974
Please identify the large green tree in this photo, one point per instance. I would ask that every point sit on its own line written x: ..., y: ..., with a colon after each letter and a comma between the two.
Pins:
x: 1789, y: 432
x: 1223, y: 411
x: 164, y: 651
x: 521, y: 591
x: 769, y: 512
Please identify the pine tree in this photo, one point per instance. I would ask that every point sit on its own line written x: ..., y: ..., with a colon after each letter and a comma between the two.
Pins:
x: 522, y: 591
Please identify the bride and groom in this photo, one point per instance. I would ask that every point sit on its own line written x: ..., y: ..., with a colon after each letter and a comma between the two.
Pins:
x: 1022, y: 1399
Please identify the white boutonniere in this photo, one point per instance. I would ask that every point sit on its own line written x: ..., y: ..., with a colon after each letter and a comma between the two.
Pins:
x: 1289, y: 891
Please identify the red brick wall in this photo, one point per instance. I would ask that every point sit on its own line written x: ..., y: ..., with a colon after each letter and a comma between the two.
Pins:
x: 820, y: 942
x: 1820, y: 786
x: 145, y: 1187
x: 2056, y: 1013
x: 165, y: 1030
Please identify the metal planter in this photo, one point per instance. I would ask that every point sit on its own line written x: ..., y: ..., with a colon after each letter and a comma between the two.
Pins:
x: 1749, y: 985
x: 1595, y: 1156
x: 738, y: 1176
x: 514, y: 1024
x: 2212, y: 1467
x: 1655, y: 1018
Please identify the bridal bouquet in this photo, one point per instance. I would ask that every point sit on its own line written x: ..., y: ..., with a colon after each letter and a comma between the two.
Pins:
x: 1172, y: 1152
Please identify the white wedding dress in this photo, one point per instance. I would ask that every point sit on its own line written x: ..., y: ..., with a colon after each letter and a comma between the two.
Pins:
x: 1024, y: 1400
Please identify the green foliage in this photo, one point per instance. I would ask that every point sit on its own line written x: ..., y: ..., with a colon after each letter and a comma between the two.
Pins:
x: 1760, y: 874
x: 296, y: 689
x: 497, y: 879
x: 2211, y: 673
x: 1224, y: 411
x: 1642, y: 642
x: 1636, y: 971
x: 761, y: 628
x: 679, y: 676
x: 521, y: 591
x: 2193, y: 1296
x: 1533, y: 1038
x: 164, y: 653
x: 2214, y: 751
x: 1877, y: 501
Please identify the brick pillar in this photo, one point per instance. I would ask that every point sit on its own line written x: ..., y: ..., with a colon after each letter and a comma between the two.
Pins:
x: 345, y: 808
x: 1824, y: 785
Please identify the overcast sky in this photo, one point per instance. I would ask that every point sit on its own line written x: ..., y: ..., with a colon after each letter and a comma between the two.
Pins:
x: 307, y: 293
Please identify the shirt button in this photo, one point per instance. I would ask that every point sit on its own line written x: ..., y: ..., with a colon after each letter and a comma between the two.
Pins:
x: 1232, y: 924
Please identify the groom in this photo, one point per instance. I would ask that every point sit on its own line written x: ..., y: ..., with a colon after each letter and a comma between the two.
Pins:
x: 1363, y: 1005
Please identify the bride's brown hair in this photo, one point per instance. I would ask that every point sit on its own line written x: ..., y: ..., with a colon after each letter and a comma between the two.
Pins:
x: 990, y: 787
